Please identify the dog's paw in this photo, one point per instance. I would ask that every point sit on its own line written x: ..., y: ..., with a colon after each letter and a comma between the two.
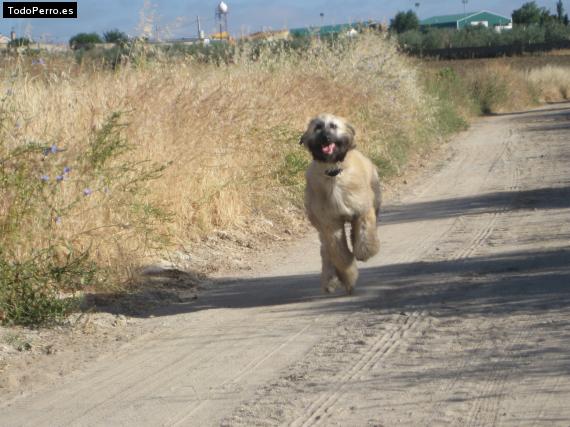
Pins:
x: 348, y: 278
x: 363, y: 251
x: 330, y: 286
x: 363, y: 254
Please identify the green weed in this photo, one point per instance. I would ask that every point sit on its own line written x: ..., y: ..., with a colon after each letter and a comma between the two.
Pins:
x: 56, y: 203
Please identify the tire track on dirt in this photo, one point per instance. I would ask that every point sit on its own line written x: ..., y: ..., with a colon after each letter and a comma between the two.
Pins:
x: 181, y: 419
x: 130, y: 374
x: 384, y: 345
x: 490, y: 392
x: 133, y: 385
x: 485, y: 225
x: 546, y: 387
x: 505, y: 158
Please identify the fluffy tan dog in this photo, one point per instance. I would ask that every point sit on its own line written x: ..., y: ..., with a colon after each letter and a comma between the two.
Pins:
x: 342, y: 186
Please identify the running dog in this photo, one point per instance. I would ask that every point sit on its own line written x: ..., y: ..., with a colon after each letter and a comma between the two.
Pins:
x: 342, y: 187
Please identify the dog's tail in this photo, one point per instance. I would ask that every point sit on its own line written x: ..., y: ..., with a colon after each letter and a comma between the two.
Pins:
x: 377, y: 193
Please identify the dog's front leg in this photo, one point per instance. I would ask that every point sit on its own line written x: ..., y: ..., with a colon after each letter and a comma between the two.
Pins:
x: 365, y: 241
x: 340, y: 256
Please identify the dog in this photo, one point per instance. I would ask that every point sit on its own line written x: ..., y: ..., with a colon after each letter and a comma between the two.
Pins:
x: 342, y: 186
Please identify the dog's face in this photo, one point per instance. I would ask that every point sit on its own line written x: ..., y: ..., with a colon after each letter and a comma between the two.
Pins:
x: 328, y: 138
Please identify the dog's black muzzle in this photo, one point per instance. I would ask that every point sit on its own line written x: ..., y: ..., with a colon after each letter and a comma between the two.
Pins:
x: 325, y: 138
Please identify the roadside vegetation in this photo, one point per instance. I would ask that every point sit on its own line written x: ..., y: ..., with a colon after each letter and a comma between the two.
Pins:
x: 531, y: 25
x: 105, y: 168
x: 435, y: 38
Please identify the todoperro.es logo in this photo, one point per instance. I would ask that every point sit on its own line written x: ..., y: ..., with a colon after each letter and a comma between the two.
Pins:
x: 44, y: 9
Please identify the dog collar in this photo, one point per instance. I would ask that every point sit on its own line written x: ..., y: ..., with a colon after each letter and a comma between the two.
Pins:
x: 332, y: 172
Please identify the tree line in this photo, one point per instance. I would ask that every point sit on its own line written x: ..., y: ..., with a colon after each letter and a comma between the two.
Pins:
x: 531, y: 24
x: 89, y: 40
x: 81, y: 40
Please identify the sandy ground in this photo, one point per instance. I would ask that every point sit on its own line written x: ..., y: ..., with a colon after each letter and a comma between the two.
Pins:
x: 463, y: 318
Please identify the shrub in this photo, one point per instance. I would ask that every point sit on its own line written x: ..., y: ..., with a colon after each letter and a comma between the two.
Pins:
x: 474, y: 37
x: 405, y: 21
x: 434, y: 38
x: 489, y: 90
x: 556, y: 31
x: 65, y: 208
x: 41, y: 289
x: 19, y: 42
x: 84, y: 41
x: 452, y: 103
x: 413, y: 39
x: 115, y: 36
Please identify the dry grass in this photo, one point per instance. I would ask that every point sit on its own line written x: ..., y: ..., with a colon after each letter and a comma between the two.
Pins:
x: 552, y: 82
x: 500, y: 88
x: 229, y: 134
x: 511, y: 84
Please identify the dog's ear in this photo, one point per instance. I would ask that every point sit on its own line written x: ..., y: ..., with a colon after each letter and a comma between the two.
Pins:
x: 351, y: 133
x: 351, y: 130
x: 307, y: 135
x: 305, y: 138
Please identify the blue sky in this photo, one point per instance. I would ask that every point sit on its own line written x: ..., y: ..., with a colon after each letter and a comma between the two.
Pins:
x: 175, y: 18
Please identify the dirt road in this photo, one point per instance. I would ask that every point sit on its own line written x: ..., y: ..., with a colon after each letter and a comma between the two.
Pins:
x: 463, y: 318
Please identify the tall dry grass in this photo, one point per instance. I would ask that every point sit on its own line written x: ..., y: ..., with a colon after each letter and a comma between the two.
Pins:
x: 497, y: 87
x: 552, y: 82
x: 505, y: 84
x: 227, y: 130
x: 228, y: 135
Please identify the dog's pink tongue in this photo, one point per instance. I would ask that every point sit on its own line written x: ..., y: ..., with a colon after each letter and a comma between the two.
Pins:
x: 329, y: 149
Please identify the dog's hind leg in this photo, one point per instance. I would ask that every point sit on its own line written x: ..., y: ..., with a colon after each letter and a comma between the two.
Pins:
x: 365, y: 241
x: 329, y: 279
x: 340, y: 256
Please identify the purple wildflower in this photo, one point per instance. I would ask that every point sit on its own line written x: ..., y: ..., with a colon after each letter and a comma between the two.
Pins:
x: 87, y: 192
x: 58, y: 220
x: 44, y: 178
x: 66, y: 170
x: 53, y: 149
x: 59, y: 178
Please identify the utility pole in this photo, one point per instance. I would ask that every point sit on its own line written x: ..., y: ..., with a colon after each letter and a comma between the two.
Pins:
x: 464, y: 5
x: 200, y: 34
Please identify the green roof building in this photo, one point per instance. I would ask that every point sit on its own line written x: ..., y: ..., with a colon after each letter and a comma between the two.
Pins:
x: 485, y: 18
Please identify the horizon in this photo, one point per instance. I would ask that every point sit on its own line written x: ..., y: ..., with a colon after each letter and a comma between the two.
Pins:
x: 168, y: 20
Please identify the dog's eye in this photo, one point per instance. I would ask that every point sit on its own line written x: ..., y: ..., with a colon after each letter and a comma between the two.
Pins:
x: 333, y: 126
x: 319, y: 126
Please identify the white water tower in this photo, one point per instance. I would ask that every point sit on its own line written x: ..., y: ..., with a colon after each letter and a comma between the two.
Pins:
x: 222, y: 18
